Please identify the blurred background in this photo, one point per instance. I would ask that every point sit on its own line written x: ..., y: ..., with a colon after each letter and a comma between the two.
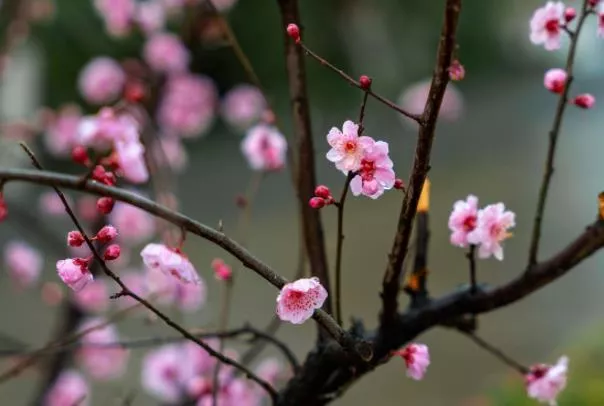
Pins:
x: 491, y: 142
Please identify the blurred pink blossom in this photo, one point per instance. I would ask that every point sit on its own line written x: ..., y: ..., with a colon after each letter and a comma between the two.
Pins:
x: 117, y: 14
x: 164, y: 373
x: 165, y: 53
x: 545, y: 382
x: 136, y: 226
x: 413, y: 99
x: 222, y: 271
x: 375, y: 173
x: 546, y: 25
x: 171, y: 262
x: 23, y: 263
x: 417, y: 359
x: 243, y: 106
x: 265, y: 148
x: 271, y: 370
x: 102, y: 363
x: 51, y: 204
x: 60, y: 134
x: 188, y: 105
x: 107, y: 127
x: 462, y: 220
x: 131, y: 158
x: 150, y: 16
x: 600, y: 11
x: 298, y: 300
x: 555, y: 80
x: 102, y: 80
x: 94, y: 297
x: 70, y: 388
x: 171, y: 151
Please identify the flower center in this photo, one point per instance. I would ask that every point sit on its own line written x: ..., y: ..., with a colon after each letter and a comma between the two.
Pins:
x: 552, y: 26
x: 367, y: 170
x: 469, y: 223
x: 350, y: 146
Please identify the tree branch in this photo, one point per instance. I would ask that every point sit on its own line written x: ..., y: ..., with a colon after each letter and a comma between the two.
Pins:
x: 421, y: 165
x: 305, y: 173
x: 553, y: 137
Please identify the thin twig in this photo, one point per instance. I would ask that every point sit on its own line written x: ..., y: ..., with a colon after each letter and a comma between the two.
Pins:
x: 497, y: 353
x: 339, y: 247
x: 553, y: 138
x: 125, y: 291
x: 415, y: 117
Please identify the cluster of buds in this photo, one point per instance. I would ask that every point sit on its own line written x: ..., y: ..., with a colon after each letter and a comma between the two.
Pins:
x: 104, y: 236
x: 555, y: 81
x: 322, y: 197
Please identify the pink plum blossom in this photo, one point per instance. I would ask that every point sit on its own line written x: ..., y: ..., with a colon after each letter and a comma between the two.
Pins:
x: 546, y: 25
x: 118, y: 15
x: 171, y: 262
x: 102, y: 363
x: 413, y: 99
x: 131, y: 158
x: 150, y: 16
x: 86, y: 207
x: 243, y: 106
x: 165, y: 53
x: 164, y: 373
x: 188, y: 105
x: 462, y: 220
x: 298, y: 300
x: 136, y: 226
x: 74, y: 274
x: 23, y: 263
x: 94, y: 297
x: 136, y: 282
x: 545, y: 382
x: 60, y: 134
x: 417, y: 359
x: 188, y: 297
x: 347, y: 148
x: 555, y: 80
x: 491, y: 229
x: 107, y: 127
x: 271, y: 370
x: 265, y: 148
x: 70, y: 388
x: 585, y: 101
x: 101, y: 81
x: 375, y: 175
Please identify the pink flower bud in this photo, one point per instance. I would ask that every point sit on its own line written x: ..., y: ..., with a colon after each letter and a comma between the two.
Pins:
x: 75, y: 239
x: 294, y: 32
x: 106, y: 234
x: 74, y: 273
x: 322, y: 191
x: 555, y: 80
x: 98, y: 173
x: 79, y: 155
x: 105, y: 204
x: 585, y: 101
x: 569, y: 14
x: 112, y: 252
x: 456, y: 71
x: 134, y: 92
x: 365, y: 82
x: 399, y: 184
x: 222, y: 271
x: 316, y: 203
x: 593, y: 3
x: 3, y: 208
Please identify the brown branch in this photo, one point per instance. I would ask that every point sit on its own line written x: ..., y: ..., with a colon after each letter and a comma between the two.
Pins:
x: 421, y: 165
x: 306, y: 178
x: 471, y: 256
x: 125, y: 291
x: 415, y: 117
x: 339, y: 247
x: 188, y: 224
x: 553, y: 136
